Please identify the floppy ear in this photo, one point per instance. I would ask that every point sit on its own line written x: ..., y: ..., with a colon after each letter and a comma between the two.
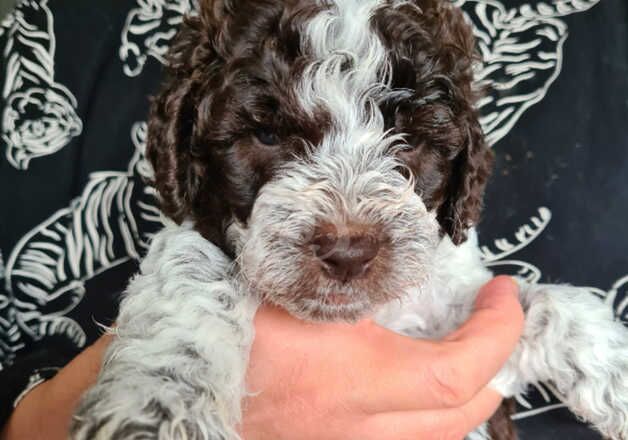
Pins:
x: 472, y: 165
x: 471, y: 169
x: 167, y: 148
x: 433, y: 52
x: 192, y: 60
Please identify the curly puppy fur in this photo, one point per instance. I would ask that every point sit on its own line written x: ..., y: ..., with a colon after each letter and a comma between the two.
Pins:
x: 324, y: 156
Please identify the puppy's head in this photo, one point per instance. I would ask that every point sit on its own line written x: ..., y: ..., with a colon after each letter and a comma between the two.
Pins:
x: 327, y: 145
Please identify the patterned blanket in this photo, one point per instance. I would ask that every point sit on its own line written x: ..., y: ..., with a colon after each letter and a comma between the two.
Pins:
x: 75, y: 215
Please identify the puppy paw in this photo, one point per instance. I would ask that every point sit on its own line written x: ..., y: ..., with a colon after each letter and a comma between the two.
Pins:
x: 600, y: 392
x: 572, y: 340
x: 110, y: 413
x: 123, y: 412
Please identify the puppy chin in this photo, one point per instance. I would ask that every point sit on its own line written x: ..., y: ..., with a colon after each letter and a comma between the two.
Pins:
x: 334, y: 307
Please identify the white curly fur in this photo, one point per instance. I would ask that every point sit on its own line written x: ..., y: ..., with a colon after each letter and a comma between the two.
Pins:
x: 176, y: 366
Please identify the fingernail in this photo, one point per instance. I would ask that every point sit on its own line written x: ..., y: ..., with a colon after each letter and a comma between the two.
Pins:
x: 495, y: 288
x: 510, y: 279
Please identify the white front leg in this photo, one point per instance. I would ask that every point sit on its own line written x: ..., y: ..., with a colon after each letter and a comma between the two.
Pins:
x: 176, y: 367
x: 572, y: 341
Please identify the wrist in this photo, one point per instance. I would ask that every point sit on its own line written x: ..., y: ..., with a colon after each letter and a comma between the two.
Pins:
x: 29, y: 416
x: 45, y: 412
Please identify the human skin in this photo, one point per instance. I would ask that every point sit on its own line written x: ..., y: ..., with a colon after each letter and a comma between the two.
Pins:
x: 335, y: 381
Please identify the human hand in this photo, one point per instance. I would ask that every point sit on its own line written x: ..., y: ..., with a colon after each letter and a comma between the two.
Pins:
x: 334, y: 381
x: 340, y: 381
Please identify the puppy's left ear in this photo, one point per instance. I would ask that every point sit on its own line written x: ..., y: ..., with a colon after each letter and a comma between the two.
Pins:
x: 471, y: 169
x: 432, y: 40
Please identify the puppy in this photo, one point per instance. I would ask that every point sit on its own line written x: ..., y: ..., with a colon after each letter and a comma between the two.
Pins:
x: 326, y: 157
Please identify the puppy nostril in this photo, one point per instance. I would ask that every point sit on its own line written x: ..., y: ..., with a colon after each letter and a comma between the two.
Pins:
x: 324, y: 244
x: 347, y: 256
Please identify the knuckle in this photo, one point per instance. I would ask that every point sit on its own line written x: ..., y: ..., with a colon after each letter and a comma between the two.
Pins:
x: 448, y: 385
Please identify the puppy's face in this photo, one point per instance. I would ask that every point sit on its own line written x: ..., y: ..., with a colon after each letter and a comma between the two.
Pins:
x: 326, y: 145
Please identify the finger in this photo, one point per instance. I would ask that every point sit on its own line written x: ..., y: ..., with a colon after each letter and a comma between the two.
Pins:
x: 472, y: 355
x: 453, y: 423
x: 447, y: 374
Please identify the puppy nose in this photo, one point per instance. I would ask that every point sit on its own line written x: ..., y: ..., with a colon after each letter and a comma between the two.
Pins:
x: 345, y: 256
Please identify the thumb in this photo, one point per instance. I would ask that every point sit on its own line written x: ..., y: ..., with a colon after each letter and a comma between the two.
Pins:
x: 500, y: 292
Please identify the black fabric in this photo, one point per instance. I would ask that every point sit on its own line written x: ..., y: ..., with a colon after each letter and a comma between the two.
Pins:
x: 75, y: 216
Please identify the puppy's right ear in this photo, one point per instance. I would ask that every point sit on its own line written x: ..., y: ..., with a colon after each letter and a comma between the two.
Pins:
x: 192, y: 59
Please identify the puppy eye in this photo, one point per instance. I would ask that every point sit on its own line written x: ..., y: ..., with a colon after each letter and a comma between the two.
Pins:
x: 267, y: 137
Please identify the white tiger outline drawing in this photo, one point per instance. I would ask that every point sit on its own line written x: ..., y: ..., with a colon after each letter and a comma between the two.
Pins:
x: 522, y: 55
x: 148, y: 30
x: 45, y: 274
x: 39, y: 117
